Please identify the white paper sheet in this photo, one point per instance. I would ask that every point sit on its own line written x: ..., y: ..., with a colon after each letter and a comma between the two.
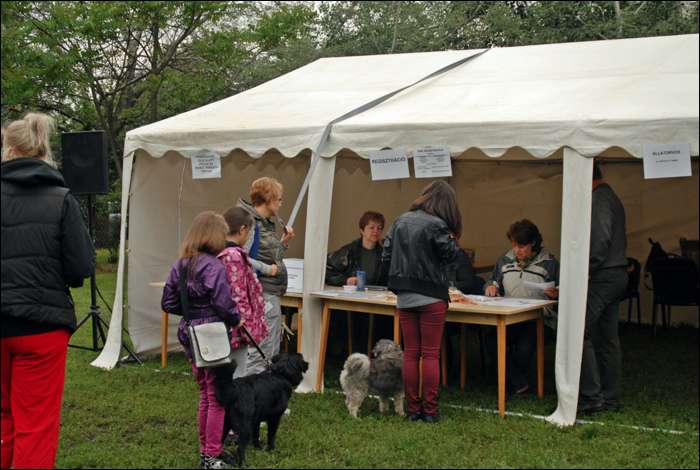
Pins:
x: 539, y: 286
x: 206, y: 165
x: 389, y: 164
x: 505, y: 301
x: 432, y: 162
x: 666, y: 161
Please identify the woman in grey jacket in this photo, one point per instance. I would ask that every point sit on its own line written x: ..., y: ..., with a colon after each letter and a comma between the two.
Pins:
x: 268, y: 247
x: 526, y: 262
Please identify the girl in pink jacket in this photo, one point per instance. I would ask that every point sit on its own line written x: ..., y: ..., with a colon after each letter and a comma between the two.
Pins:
x: 246, y: 290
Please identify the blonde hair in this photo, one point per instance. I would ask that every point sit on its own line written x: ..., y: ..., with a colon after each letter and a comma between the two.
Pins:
x: 29, y: 137
x: 265, y: 190
x: 207, y: 234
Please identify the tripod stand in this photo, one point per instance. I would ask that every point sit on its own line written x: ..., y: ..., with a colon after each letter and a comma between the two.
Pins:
x: 94, y: 312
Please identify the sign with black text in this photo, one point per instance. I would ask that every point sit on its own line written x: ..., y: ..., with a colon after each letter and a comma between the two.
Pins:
x: 666, y: 160
x: 389, y: 164
x: 206, y: 164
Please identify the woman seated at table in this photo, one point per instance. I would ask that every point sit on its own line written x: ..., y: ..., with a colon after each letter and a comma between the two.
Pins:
x: 362, y: 254
x: 527, y: 261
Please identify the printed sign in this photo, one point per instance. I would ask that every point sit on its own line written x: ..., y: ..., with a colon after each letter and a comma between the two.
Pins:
x: 389, y: 164
x: 666, y: 160
x: 432, y: 162
x: 206, y: 164
x: 295, y: 274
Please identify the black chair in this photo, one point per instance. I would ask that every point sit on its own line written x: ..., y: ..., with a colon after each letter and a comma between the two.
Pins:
x: 675, y: 282
x: 634, y: 270
x: 690, y: 249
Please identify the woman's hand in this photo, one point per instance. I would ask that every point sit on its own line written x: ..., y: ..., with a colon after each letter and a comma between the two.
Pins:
x: 351, y: 281
x: 552, y: 292
x: 275, y: 270
x: 288, y: 235
x: 491, y: 291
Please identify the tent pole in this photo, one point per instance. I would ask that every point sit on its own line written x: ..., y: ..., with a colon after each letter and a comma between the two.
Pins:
x: 318, y: 218
x: 573, y: 282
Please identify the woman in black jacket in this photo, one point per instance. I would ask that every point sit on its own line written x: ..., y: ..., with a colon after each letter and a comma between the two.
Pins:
x: 418, y: 248
x: 45, y: 250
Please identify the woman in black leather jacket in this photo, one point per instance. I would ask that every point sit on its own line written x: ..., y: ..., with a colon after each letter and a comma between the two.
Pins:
x: 418, y: 248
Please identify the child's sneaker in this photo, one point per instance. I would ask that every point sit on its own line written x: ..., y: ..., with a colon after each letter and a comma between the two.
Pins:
x: 213, y: 462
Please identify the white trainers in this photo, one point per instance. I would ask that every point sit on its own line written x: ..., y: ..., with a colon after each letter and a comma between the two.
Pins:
x: 213, y: 462
x: 287, y: 411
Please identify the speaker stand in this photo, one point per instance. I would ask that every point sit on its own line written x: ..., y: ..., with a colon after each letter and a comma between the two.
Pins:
x: 94, y: 312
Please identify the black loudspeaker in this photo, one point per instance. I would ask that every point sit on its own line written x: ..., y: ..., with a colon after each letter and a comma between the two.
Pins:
x: 85, y: 162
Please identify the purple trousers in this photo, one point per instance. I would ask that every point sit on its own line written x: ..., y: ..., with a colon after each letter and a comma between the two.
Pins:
x: 211, y: 413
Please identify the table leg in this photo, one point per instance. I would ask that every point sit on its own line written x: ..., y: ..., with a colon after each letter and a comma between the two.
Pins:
x: 462, y: 356
x: 397, y: 328
x: 501, y: 334
x: 163, y: 340
x: 370, y: 335
x: 540, y: 357
x: 325, y: 321
x: 299, y: 331
x: 349, y: 333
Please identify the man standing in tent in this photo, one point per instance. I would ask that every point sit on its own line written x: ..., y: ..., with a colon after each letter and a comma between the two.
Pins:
x: 607, y: 280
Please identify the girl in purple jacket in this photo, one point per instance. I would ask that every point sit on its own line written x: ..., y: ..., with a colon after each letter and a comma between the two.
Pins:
x: 209, y: 301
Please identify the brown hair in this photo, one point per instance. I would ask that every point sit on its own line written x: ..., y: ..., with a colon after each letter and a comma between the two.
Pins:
x: 29, y: 137
x: 265, y: 189
x: 207, y: 234
x: 371, y: 216
x: 440, y: 200
x: 524, y: 232
x: 237, y: 217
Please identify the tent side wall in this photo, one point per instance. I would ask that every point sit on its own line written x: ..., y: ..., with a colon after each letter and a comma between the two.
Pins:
x: 161, y: 211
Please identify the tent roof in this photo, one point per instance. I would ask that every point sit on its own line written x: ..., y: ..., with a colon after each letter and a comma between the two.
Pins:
x: 589, y: 96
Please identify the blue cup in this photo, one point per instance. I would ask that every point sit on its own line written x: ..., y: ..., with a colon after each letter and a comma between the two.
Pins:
x: 361, y: 280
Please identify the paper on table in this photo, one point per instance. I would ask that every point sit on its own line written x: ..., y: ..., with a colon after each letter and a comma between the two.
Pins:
x: 505, y: 301
x: 539, y: 286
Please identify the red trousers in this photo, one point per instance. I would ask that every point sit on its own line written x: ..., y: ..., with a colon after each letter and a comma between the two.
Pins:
x: 421, y: 328
x: 33, y: 372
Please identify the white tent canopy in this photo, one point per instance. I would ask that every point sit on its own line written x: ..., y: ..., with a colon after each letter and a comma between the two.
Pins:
x: 513, y: 103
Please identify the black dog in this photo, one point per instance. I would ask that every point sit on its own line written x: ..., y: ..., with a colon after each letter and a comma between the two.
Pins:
x: 262, y: 397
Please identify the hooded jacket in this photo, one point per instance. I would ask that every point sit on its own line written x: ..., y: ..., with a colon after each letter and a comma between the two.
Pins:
x: 46, y: 249
x: 270, y: 250
x: 510, y: 277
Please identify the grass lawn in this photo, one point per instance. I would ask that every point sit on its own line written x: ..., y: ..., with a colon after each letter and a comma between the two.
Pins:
x: 138, y: 416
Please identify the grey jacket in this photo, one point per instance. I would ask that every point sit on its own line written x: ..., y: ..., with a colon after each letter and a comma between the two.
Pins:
x: 608, y: 239
x: 509, y: 277
x: 270, y: 251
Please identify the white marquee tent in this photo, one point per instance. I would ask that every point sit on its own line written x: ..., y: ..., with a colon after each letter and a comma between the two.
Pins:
x: 553, y: 104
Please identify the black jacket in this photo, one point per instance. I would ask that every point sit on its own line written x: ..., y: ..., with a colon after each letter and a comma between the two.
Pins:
x: 418, y: 249
x: 343, y: 263
x: 608, y: 238
x: 462, y: 275
x: 45, y: 249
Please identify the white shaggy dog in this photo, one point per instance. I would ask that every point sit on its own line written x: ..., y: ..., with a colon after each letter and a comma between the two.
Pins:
x: 381, y: 376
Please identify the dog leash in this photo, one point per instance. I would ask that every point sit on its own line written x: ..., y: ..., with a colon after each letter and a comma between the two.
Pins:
x: 250, y: 338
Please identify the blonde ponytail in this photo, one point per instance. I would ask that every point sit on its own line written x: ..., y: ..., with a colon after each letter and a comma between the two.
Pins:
x: 29, y: 137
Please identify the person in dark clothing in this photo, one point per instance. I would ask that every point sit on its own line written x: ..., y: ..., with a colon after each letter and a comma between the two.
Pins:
x: 419, y: 246
x: 362, y: 254
x: 601, y: 363
x: 46, y: 249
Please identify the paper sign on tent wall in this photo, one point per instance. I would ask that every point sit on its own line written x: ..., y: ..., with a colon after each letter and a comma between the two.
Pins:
x: 388, y: 164
x: 206, y: 165
x: 432, y: 162
x: 666, y: 160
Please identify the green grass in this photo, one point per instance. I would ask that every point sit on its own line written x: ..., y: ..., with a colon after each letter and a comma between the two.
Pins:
x: 138, y: 416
